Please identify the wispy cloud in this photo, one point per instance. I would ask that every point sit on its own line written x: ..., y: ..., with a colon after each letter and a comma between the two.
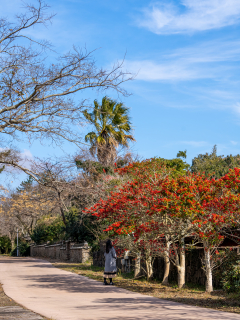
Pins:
x: 26, y: 158
x: 190, y: 16
x: 209, y: 60
x: 172, y: 70
x: 236, y: 108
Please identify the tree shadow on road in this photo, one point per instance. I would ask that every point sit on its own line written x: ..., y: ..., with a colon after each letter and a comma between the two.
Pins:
x: 152, y: 308
x: 70, y: 283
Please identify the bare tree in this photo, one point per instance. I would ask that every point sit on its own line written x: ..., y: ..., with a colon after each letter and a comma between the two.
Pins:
x: 36, y: 97
x: 28, y: 207
x: 63, y: 187
x: 8, y: 223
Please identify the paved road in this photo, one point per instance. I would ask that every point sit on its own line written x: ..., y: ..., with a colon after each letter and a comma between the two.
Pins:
x: 17, y: 313
x: 62, y: 295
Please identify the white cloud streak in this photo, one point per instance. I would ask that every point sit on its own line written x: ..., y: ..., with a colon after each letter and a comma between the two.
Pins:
x: 210, y: 60
x: 26, y: 159
x: 236, y: 108
x: 190, y: 16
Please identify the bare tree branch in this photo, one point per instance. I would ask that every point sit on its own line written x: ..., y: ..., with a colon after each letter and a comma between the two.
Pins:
x: 37, y: 98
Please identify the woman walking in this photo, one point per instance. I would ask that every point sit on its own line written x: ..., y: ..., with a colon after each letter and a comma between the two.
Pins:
x: 110, y: 270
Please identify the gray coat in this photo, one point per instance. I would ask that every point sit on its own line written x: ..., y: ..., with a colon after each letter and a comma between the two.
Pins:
x: 110, y: 261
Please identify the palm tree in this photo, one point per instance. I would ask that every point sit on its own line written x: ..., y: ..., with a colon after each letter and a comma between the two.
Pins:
x: 112, y: 128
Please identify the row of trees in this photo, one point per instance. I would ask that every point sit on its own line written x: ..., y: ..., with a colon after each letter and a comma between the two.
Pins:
x: 58, y: 189
x: 162, y: 211
x: 57, y: 194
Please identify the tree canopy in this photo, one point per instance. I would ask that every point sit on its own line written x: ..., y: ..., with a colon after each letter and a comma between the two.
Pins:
x: 213, y: 165
x: 112, y: 128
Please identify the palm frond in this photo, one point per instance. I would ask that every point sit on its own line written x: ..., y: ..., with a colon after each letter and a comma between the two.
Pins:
x: 88, y: 116
x: 91, y: 137
x: 100, y: 140
x: 113, y: 127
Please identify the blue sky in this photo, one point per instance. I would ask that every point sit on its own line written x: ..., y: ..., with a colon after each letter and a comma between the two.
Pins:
x: 186, y: 54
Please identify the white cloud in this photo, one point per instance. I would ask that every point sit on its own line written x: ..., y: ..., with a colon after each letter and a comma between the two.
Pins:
x: 26, y: 154
x: 27, y: 158
x: 150, y: 70
x: 234, y: 142
x: 209, y: 60
x: 190, y: 16
x: 236, y: 108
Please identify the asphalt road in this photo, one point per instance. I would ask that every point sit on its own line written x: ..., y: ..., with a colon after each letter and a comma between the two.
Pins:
x: 63, y: 295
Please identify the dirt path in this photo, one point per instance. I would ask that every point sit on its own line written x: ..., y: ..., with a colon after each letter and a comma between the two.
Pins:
x: 62, y: 295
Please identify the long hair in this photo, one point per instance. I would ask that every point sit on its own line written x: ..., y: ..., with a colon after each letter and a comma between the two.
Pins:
x: 108, y: 246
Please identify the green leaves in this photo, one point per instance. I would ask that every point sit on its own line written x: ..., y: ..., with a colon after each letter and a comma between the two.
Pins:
x: 112, y: 128
x: 182, y: 154
x: 231, y: 278
x: 214, y: 165
x: 45, y: 231
x: 5, y: 244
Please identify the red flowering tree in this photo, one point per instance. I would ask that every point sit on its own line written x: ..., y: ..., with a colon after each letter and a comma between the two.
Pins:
x: 141, y: 210
x: 126, y: 210
x: 220, y: 208
x: 158, y: 209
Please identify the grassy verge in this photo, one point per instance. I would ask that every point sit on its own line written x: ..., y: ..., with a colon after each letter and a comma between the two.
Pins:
x: 191, y: 294
x: 5, y: 301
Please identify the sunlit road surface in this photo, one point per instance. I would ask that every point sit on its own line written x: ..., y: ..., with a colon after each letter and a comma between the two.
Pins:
x: 62, y: 295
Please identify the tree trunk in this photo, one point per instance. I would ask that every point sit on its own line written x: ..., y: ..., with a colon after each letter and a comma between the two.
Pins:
x: 137, y: 269
x: 61, y: 209
x: 181, y: 277
x: 12, y: 244
x: 149, y: 268
x: 208, y: 270
x: 181, y: 267
x: 63, y: 216
x: 166, y: 265
x: 106, y: 154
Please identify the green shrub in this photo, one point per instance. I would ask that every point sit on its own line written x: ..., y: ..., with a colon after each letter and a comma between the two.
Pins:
x: 80, y: 228
x: 5, y: 244
x: 48, y: 231
x: 24, y: 250
x: 231, y: 278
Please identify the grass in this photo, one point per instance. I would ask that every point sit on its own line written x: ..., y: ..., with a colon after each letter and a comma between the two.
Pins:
x: 5, y: 301
x: 191, y: 294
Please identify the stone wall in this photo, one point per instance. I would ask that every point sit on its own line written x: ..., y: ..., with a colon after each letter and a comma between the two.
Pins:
x: 67, y: 251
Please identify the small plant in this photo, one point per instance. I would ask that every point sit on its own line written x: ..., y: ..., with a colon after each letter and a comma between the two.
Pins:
x: 231, y: 278
x: 24, y: 250
x: 49, y: 229
x: 5, y: 244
